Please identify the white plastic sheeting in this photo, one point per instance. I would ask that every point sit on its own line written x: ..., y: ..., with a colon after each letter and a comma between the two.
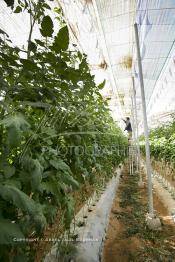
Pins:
x: 156, y: 20
x: 103, y: 30
x: 91, y: 237
x: 156, y: 23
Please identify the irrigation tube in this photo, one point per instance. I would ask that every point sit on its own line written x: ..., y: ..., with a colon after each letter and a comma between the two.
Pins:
x: 89, y: 246
x: 147, y: 146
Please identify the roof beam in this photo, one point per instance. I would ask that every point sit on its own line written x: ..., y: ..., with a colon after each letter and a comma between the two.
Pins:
x: 114, y: 84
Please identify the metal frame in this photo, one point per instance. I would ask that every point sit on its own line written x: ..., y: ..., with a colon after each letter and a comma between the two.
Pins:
x: 137, y: 131
x: 114, y: 84
x: 146, y: 133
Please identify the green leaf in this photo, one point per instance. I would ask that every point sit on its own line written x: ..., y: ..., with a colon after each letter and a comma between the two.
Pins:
x: 18, y: 9
x: 3, y: 32
x: 101, y: 86
x: 21, y: 258
x: 13, y: 136
x: 52, y: 186
x: 46, y: 26
x: 15, y: 124
x: 36, y: 174
x: 50, y: 212
x: 46, y: 6
x: 35, y: 169
x: 17, y: 121
x: 59, y: 164
x: 61, y: 40
x: 69, y: 180
x: 39, y: 42
x: 14, y: 182
x: 68, y: 216
x: 9, y: 3
x: 32, y: 46
x: 9, y: 231
x: 28, y: 64
x: 80, y: 56
x: 9, y: 171
x: 19, y: 199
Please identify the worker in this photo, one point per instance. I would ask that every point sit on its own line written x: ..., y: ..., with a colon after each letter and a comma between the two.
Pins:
x: 128, y: 127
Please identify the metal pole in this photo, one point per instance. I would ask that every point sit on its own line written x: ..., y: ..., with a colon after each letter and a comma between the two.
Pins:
x: 134, y: 131
x: 136, y: 136
x: 130, y: 164
x: 137, y: 132
x: 132, y: 161
x: 147, y: 146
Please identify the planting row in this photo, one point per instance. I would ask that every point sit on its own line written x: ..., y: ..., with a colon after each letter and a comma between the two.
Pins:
x: 162, y: 147
x: 56, y: 132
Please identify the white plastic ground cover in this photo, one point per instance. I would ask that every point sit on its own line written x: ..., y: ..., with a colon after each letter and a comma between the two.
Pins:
x: 90, y: 237
x: 165, y: 196
x: 164, y: 193
x: 165, y: 183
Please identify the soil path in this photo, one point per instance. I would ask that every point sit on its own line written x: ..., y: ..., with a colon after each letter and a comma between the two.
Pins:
x: 128, y: 238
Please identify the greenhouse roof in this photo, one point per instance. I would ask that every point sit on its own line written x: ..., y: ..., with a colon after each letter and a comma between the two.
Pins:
x: 104, y: 30
x: 156, y: 22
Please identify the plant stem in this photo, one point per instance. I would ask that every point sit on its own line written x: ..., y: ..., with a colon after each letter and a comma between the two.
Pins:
x: 32, y: 23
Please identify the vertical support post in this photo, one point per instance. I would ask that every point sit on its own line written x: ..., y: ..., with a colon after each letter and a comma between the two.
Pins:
x: 147, y: 145
x: 137, y: 132
x: 130, y: 160
x: 134, y: 132
x: 131, y: 169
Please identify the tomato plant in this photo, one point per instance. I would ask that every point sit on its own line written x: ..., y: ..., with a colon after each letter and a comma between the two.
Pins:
x: 56, y: 130
x: 162, y: 142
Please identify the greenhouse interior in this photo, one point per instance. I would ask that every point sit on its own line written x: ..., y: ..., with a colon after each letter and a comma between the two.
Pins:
x: 87, y: 154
